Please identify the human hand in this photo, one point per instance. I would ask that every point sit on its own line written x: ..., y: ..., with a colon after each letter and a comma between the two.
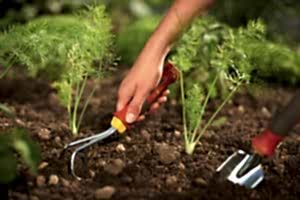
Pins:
x: 143, y: 77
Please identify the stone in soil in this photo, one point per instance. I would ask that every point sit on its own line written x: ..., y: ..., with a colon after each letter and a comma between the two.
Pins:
x: 241, y: 109
x: 266, y: 112
x: 128, y: 139
x: 65, y: 182
x: 201, y: 182
x: 43, y: 165
x: 120, y: 148
x: 115, y: 167
x: 146, y: 135
x: 167, y: 153
x: 57, y: 140
x: 40, y: 181
x: 44, y: 134
x: 177, y: 134
x: 105, y: 193
x: 53, y: 180
x: 171, y: 181
x: 181, y: 166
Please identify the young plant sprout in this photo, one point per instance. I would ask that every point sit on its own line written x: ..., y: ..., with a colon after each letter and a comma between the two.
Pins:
x: 66, y: 49
x: 226, y: 64
x: 194, y: 105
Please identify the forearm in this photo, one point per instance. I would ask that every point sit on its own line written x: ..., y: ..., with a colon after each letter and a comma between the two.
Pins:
x: 178, y: 17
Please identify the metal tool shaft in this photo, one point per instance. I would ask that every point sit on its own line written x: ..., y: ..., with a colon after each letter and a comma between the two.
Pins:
x: 90, y: 141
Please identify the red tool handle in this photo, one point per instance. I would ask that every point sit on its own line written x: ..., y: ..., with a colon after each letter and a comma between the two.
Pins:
x: 266, y: 143
x: 170, y: 75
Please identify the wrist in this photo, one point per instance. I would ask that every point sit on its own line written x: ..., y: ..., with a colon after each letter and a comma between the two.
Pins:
x: 159, y: 44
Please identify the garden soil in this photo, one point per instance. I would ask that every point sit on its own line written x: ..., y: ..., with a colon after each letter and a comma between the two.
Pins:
x: 148, y: 162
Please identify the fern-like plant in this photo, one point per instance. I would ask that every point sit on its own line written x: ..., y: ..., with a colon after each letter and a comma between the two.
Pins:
x: 68, y: 49
x: 227, y: 62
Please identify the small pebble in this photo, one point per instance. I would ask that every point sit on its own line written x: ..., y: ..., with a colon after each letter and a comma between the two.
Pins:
x: 43, y: 165
x: 65, y: 182
x: 115, y: 167
x: 105, y: 193
x: 128, y: 139
x: 40, y: 181
x: 101, y: 163
x: 20, y: 122
x: 181, y: 166
x: 266, y: 112
x: 92, y: 173
x: 145, y: 134
x: 171, y: 180
x: 201, y: 182
x: 53, y: 180
x: 120, y: 148
x: 241, y: 109
x: 44, y: 134
x: 177, y: 134
x: 167, y: 153
x: 57, y: 140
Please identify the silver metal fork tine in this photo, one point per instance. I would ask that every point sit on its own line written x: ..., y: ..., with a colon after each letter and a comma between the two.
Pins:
x: 74, y: 143
x: 96, y: 138
x: 73, y: 156
x: 83, y: 140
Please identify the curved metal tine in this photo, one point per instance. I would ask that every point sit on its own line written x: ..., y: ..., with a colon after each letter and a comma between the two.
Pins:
x: 91, y: 142
x: 83, y: 140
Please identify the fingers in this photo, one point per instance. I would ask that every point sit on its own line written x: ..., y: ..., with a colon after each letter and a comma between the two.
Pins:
x: 134, y: 107
x: 125, y: 94
x: 125, y: 97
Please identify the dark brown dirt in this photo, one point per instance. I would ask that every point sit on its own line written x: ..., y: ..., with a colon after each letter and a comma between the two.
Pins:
x: 144, y: 175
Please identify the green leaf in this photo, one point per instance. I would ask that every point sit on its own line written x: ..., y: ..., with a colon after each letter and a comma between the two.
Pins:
x: 27, y: 148
x: 8, y: 166
x: 193, y: 106
x: 6, y: 111
x: 64, y: 90
x: 219, y: 122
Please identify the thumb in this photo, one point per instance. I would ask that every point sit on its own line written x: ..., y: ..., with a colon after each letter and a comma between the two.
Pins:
x: 125, y: 94
x: 135, y: 106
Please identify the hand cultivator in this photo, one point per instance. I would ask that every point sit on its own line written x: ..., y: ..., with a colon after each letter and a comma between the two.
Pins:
x: 246, y: 169
x: 118, y: 123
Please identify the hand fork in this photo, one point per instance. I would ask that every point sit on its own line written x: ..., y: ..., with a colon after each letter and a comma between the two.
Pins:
x: 246, y: 169
x: 118, y: 122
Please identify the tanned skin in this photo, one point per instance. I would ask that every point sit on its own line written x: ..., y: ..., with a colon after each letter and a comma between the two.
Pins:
x: 146, y: 72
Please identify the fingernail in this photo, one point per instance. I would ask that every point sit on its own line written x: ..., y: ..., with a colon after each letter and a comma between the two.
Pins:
x: 130, y: 117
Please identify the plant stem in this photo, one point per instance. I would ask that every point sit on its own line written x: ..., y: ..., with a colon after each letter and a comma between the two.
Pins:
x: 217, y: 111
x: 70, y: 111
x: 74, y: 110
x: 78, y: 96
x: 190, y: 147
x: 185, y: 132
x: 85, y: 107
x: 10, y: 64
x: 211, y: 87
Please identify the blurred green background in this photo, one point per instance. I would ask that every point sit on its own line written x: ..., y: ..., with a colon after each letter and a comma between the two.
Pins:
x: 134, y: 20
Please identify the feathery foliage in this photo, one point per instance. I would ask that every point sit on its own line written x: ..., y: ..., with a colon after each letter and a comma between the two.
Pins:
x: 69, y: 49
x: 216, y: 60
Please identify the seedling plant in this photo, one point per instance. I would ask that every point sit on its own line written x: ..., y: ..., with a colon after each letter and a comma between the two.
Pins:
x: 66, y: 49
